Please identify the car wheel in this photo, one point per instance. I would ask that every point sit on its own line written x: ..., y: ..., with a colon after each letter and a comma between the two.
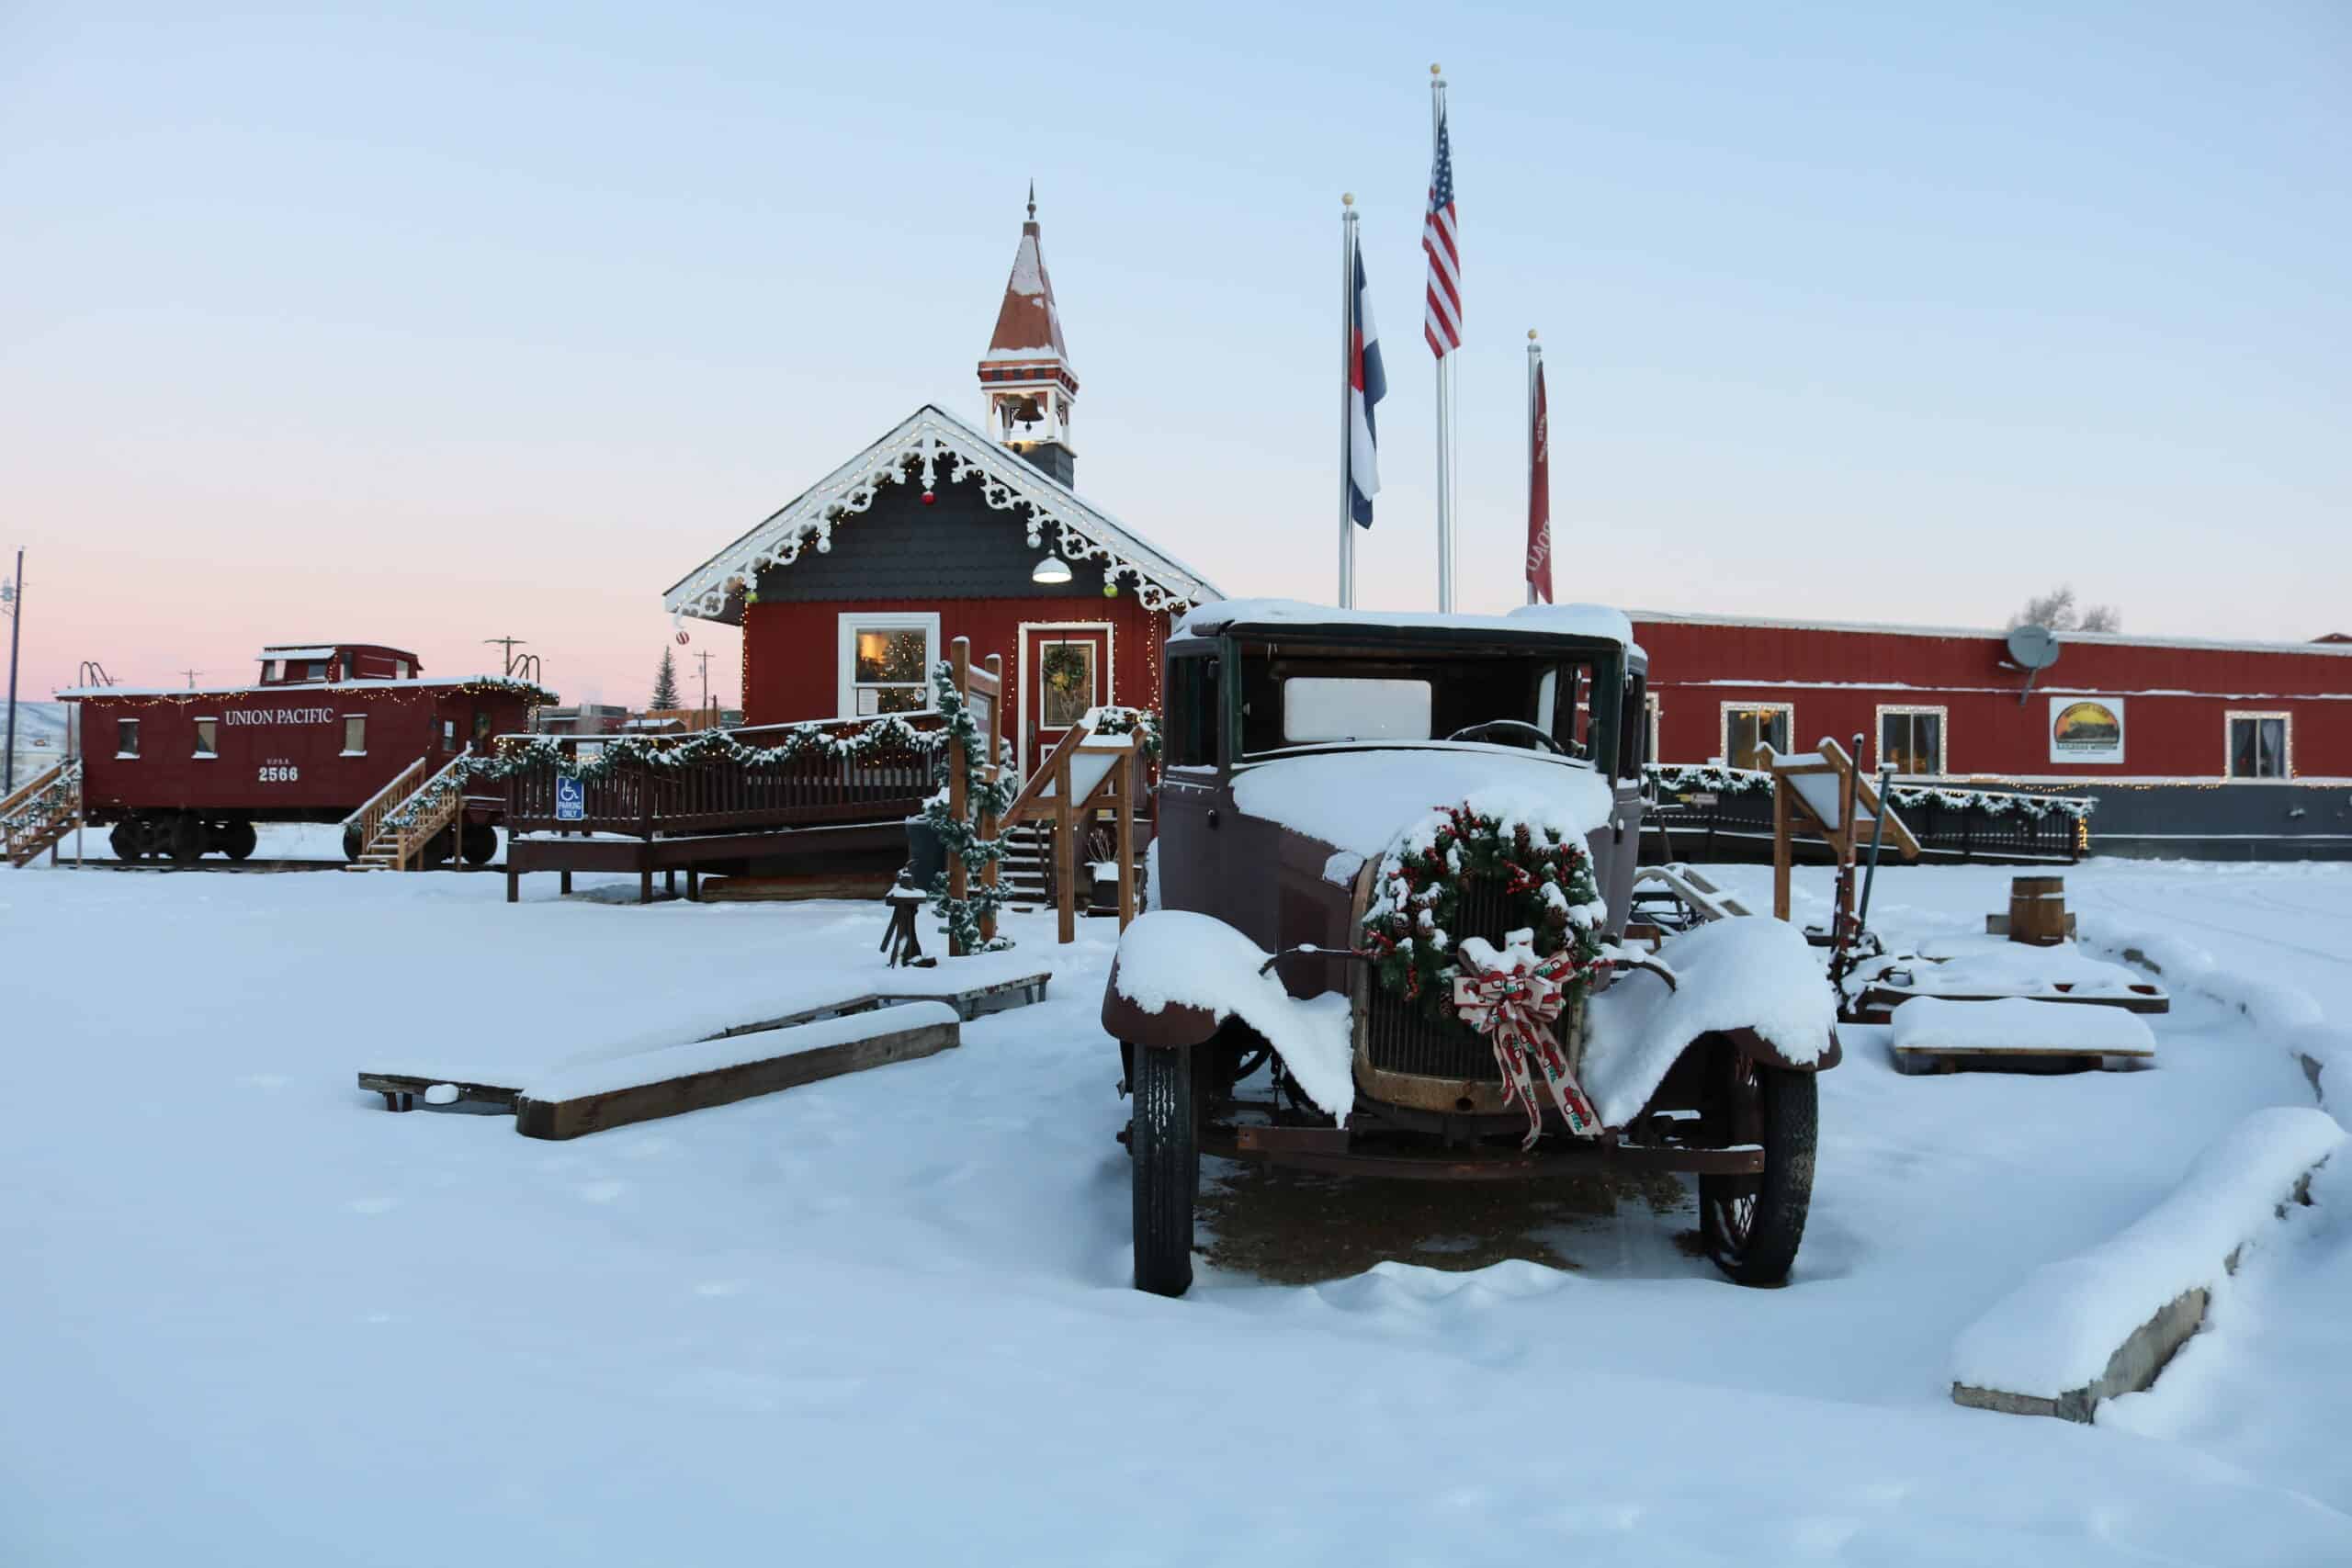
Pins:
x: 238, y: 839
x: 1753, y: 1225
x: 1164, y: 1140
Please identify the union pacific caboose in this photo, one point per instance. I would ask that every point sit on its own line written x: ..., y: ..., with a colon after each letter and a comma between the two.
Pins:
x: 326, y: 728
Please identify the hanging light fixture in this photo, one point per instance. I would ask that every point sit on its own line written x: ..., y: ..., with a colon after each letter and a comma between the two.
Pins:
x: 1052, y: 569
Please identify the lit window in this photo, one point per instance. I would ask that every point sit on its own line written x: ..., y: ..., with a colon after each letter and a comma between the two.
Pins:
x: 126, y: 738
x: 354, y: 735
x: 1911, y: 740
x: 206, y: 729
x: 2259, y: 746
x: 1749, y: 728
x: 886, y: 662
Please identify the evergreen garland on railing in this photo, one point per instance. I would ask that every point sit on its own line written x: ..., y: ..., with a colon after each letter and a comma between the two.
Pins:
x: 960, y: 836
x: 1130, y: 721
x: 1683, y: 778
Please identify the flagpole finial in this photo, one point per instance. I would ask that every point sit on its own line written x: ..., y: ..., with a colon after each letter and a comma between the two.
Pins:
x: 1433, y: 70
x: 1033, y: 199
x: 1530, y: 334
x: 1347, y: 198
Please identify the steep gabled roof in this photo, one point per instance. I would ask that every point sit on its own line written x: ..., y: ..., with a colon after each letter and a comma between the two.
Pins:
x: 932, y: 447
x: 1028, y: 324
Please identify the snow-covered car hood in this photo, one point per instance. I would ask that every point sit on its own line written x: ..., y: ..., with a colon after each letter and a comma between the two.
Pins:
x: 1360, y: 800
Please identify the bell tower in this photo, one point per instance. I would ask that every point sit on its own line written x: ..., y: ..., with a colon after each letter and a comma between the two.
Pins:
x: 1025, y: 377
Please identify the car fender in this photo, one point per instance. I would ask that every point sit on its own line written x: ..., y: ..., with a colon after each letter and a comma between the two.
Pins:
x: 1771, y: 1055
x: 1176, y: 1026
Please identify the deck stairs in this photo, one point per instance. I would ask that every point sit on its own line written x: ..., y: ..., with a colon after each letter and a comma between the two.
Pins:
x: 40, y: 815
x: 1022, y: 874
x: 405, y: 816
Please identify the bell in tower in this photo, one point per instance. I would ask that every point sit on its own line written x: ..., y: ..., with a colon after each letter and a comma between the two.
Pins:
x: 1025, y: 377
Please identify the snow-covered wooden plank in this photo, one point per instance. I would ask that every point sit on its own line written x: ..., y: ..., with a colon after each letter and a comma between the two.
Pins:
x: 654, y: 1084
x: 2105, y: 1322
x: 1937, y: 1031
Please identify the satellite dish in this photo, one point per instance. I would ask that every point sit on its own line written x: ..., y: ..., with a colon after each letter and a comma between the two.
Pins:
x: 2033, y: 647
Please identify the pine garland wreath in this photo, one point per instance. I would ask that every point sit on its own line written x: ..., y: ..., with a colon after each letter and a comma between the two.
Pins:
x: 1686, y: 778
x: 1547, y: 883
x: 961, y: 837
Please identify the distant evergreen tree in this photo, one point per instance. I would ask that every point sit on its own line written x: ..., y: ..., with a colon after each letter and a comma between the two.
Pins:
x: 665, y: 684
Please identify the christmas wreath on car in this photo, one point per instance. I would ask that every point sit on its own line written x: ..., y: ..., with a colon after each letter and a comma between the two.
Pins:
x: 1552, y: 950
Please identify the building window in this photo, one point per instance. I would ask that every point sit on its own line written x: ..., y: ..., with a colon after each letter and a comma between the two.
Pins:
x: 1750, y: 728
x: 1653, y: 724
x: 1911, y: 739
x: 2261, y: 746
x: 886, y: 663
x: 1066, y: 682
x: 481, y: 726
x: 126, y: 738
x: 206, y: 730
x: 354, y: 735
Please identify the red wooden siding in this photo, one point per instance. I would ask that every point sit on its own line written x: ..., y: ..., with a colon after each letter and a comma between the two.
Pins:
x: 2176, y: 699
x: 791, y: 650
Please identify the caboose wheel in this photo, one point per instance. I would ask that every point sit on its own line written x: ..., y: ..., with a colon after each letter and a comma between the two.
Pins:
x: 1752, y: 1224
x: 129, y: 839
x: 480, y: 842
x: 187, y: 840
x: 1164, y: 1139
x: 238, y: 839
x: 352, y: 842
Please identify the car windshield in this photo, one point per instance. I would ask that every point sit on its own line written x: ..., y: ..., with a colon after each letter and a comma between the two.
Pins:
x: 1292, y: 697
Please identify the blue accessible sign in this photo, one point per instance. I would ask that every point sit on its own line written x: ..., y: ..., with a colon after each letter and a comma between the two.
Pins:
x: 570, y: 800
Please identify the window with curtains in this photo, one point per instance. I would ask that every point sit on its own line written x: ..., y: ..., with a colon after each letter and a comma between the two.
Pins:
x: 2258, y: 746
x: 1749, y: 728
x: 1911, y: 740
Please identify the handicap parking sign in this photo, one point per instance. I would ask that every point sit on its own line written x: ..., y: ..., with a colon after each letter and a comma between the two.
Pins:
x: 570, y: 800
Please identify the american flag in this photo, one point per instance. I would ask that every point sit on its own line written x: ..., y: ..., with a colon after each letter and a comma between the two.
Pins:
x: 1442, y: 322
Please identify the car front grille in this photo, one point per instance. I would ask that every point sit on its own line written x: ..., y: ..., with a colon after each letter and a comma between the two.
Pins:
x: 1400, y: 1037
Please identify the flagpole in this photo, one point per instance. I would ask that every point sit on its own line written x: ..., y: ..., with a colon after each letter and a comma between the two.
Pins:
x: 1347, y: 401
x: 1444, y: 407
x: 1534, y: 366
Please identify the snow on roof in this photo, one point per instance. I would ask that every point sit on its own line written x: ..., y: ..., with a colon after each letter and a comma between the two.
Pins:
x: 1574, y: 620
x: 282, y: 651
x: 1028, y: 314
x: 1889, y: 628
x: 282, y: 692
x: 938, y: 448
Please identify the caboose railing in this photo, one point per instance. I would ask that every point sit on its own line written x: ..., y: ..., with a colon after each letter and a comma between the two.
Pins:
x: 438, y: 803
x: 650, y: 797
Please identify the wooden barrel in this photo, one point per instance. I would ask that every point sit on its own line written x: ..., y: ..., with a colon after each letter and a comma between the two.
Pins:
x: 2038, y: 909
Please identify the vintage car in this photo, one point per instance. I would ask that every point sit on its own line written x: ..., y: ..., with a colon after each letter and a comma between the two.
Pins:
x: 1396, y: 857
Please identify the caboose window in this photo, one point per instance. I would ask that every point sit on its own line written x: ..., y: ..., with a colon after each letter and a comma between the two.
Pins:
x: 448, y: 735
x: 354, y: 735
x: 126, y: 738
x: 206, y: 729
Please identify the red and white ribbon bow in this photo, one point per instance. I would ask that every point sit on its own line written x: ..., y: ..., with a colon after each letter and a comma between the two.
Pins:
x: 1515, y: 1008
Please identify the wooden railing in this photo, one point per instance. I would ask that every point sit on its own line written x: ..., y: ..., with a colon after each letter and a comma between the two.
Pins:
x: 438, y: 803
x: 41, y: 813
x: 370, y: 817
x: 719, y: 795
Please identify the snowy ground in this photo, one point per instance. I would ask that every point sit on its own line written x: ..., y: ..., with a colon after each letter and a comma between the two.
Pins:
x: 250, y: 1318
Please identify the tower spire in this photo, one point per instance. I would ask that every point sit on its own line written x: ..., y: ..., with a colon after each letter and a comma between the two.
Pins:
x: 1026, y: 381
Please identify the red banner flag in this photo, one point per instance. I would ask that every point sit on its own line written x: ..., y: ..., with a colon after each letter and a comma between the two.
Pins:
x: 1539, y: 496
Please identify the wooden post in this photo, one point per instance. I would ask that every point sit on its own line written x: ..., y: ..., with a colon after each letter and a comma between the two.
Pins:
x: 959, y: 665
x: 1065, y: 853
x: 989, y: 826
x: 1123, y: 779
x: 1782, y: 850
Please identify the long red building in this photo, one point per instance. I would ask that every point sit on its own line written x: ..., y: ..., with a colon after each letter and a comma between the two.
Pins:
x: 2188, y: 746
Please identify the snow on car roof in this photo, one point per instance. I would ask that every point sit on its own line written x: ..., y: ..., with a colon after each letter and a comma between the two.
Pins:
x: 1571, y: 620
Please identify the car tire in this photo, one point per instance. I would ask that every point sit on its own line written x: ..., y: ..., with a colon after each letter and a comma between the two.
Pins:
x: 238, y: 839
x: 1753, y: 1225
x: 187, y: 838
x: 1164, y: 1139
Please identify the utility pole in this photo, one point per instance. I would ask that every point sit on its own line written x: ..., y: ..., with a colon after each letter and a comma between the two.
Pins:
x: 704, y: 659
x: 191, y: 675
x: 510, y: 644
x: 12, y: 597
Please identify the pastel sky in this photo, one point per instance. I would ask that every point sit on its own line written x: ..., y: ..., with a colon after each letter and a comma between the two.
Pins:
x: 432, y: 323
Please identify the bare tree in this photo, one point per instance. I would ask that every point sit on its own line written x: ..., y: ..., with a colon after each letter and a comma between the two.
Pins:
x: 2058, y: 610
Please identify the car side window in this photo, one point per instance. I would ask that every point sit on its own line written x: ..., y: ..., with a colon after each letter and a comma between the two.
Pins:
x: 1193, y: 701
